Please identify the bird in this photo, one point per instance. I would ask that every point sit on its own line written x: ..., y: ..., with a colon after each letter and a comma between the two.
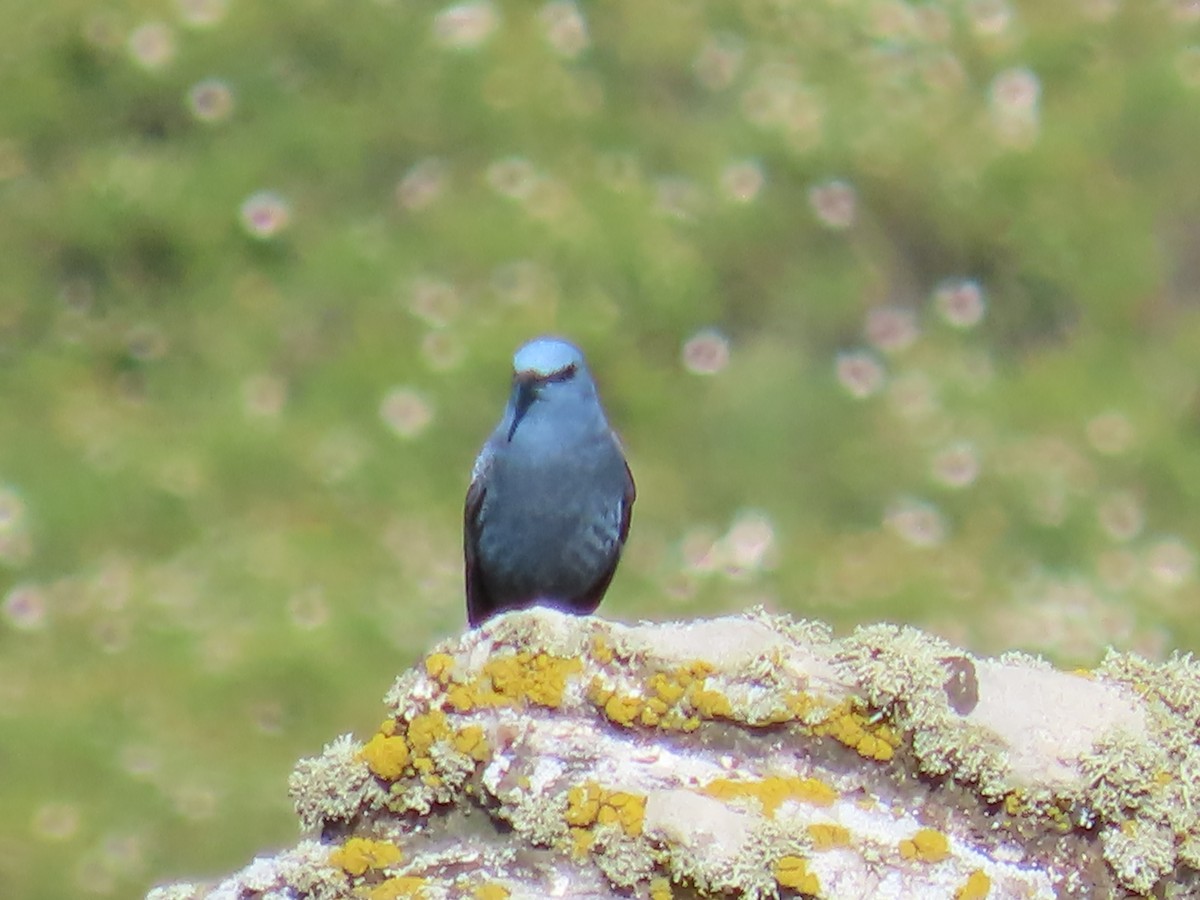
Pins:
x: 551, y: 495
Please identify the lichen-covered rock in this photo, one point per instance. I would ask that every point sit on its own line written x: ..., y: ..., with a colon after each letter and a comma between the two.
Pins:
x: 548, y: 755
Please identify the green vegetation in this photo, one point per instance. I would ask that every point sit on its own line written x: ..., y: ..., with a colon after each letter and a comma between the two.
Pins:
x: 895, y: 305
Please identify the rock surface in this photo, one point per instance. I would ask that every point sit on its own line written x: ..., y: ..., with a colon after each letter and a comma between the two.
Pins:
x: 545, y: 755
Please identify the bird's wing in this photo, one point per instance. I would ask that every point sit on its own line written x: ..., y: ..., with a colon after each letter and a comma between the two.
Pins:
x: 590, y: 600
x: 627, y: 505
x: 478, y: 603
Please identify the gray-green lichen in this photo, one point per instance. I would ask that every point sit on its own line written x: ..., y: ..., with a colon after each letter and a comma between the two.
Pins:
x: 337, y: 786
x: 751, y: 755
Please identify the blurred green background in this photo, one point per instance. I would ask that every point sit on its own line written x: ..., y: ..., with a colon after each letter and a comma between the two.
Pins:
x: 896, y: 306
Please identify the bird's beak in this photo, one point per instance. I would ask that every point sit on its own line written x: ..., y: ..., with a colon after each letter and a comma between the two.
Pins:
x: 525, y: 388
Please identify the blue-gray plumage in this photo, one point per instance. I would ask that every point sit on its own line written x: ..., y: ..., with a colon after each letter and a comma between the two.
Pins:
x: 551, y: 495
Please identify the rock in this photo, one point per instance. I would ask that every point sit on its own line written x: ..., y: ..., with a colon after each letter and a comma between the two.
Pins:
x: 547, y: 755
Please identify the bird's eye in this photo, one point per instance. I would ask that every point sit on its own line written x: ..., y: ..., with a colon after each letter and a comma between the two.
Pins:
x: 562, y: 374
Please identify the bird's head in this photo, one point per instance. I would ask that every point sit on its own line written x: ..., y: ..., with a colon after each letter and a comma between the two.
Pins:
x: 544, y: 369
x: 546, y: 360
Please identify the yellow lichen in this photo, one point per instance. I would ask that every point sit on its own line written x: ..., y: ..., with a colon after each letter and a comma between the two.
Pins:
x: 515, y: 680
x: 358, y: 855
x: 674, y: 701
x: 463, y: 697
x: 581, y: 842
x: 491, y: 891
x: 976, y: 887
x: 583, y: 804
x: 606, y: 815
x: 800, y: 705
x: 660, y: 889
x: 697, y: 668
x: 1014, y: 803
x: 396, y: 888
x: 850, y: 726
x: 810, y: 790
x: 629, y: 811
x: 774, y: 790
x: 387, y: 757
x: 826, y: 835
x: 472, y: 742
x: 602, y: 652
x: 598, y: 692
x: 390, y: 756
x: 874, y: 747
x: 425, y: 730
x: 439, y: 667
x: 393, y: 756
x: 927, y: 845
x: 591, y: 804
x: 1060, y: 819
x: 653, y: 712
x: 709, y: 704
x: 622, y: 710
x: 778, y: 716
x: 669, y: 691
x: 792, y: 872
x: 537, y: 678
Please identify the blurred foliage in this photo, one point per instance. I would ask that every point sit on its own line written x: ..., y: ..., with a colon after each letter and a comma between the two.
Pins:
x: 895, y: 305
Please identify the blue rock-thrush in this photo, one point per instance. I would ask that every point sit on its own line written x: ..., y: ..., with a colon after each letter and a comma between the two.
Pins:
x: 551, y: 494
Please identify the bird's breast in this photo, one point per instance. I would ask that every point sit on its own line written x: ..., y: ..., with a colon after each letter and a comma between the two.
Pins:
x: 557, y: 494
